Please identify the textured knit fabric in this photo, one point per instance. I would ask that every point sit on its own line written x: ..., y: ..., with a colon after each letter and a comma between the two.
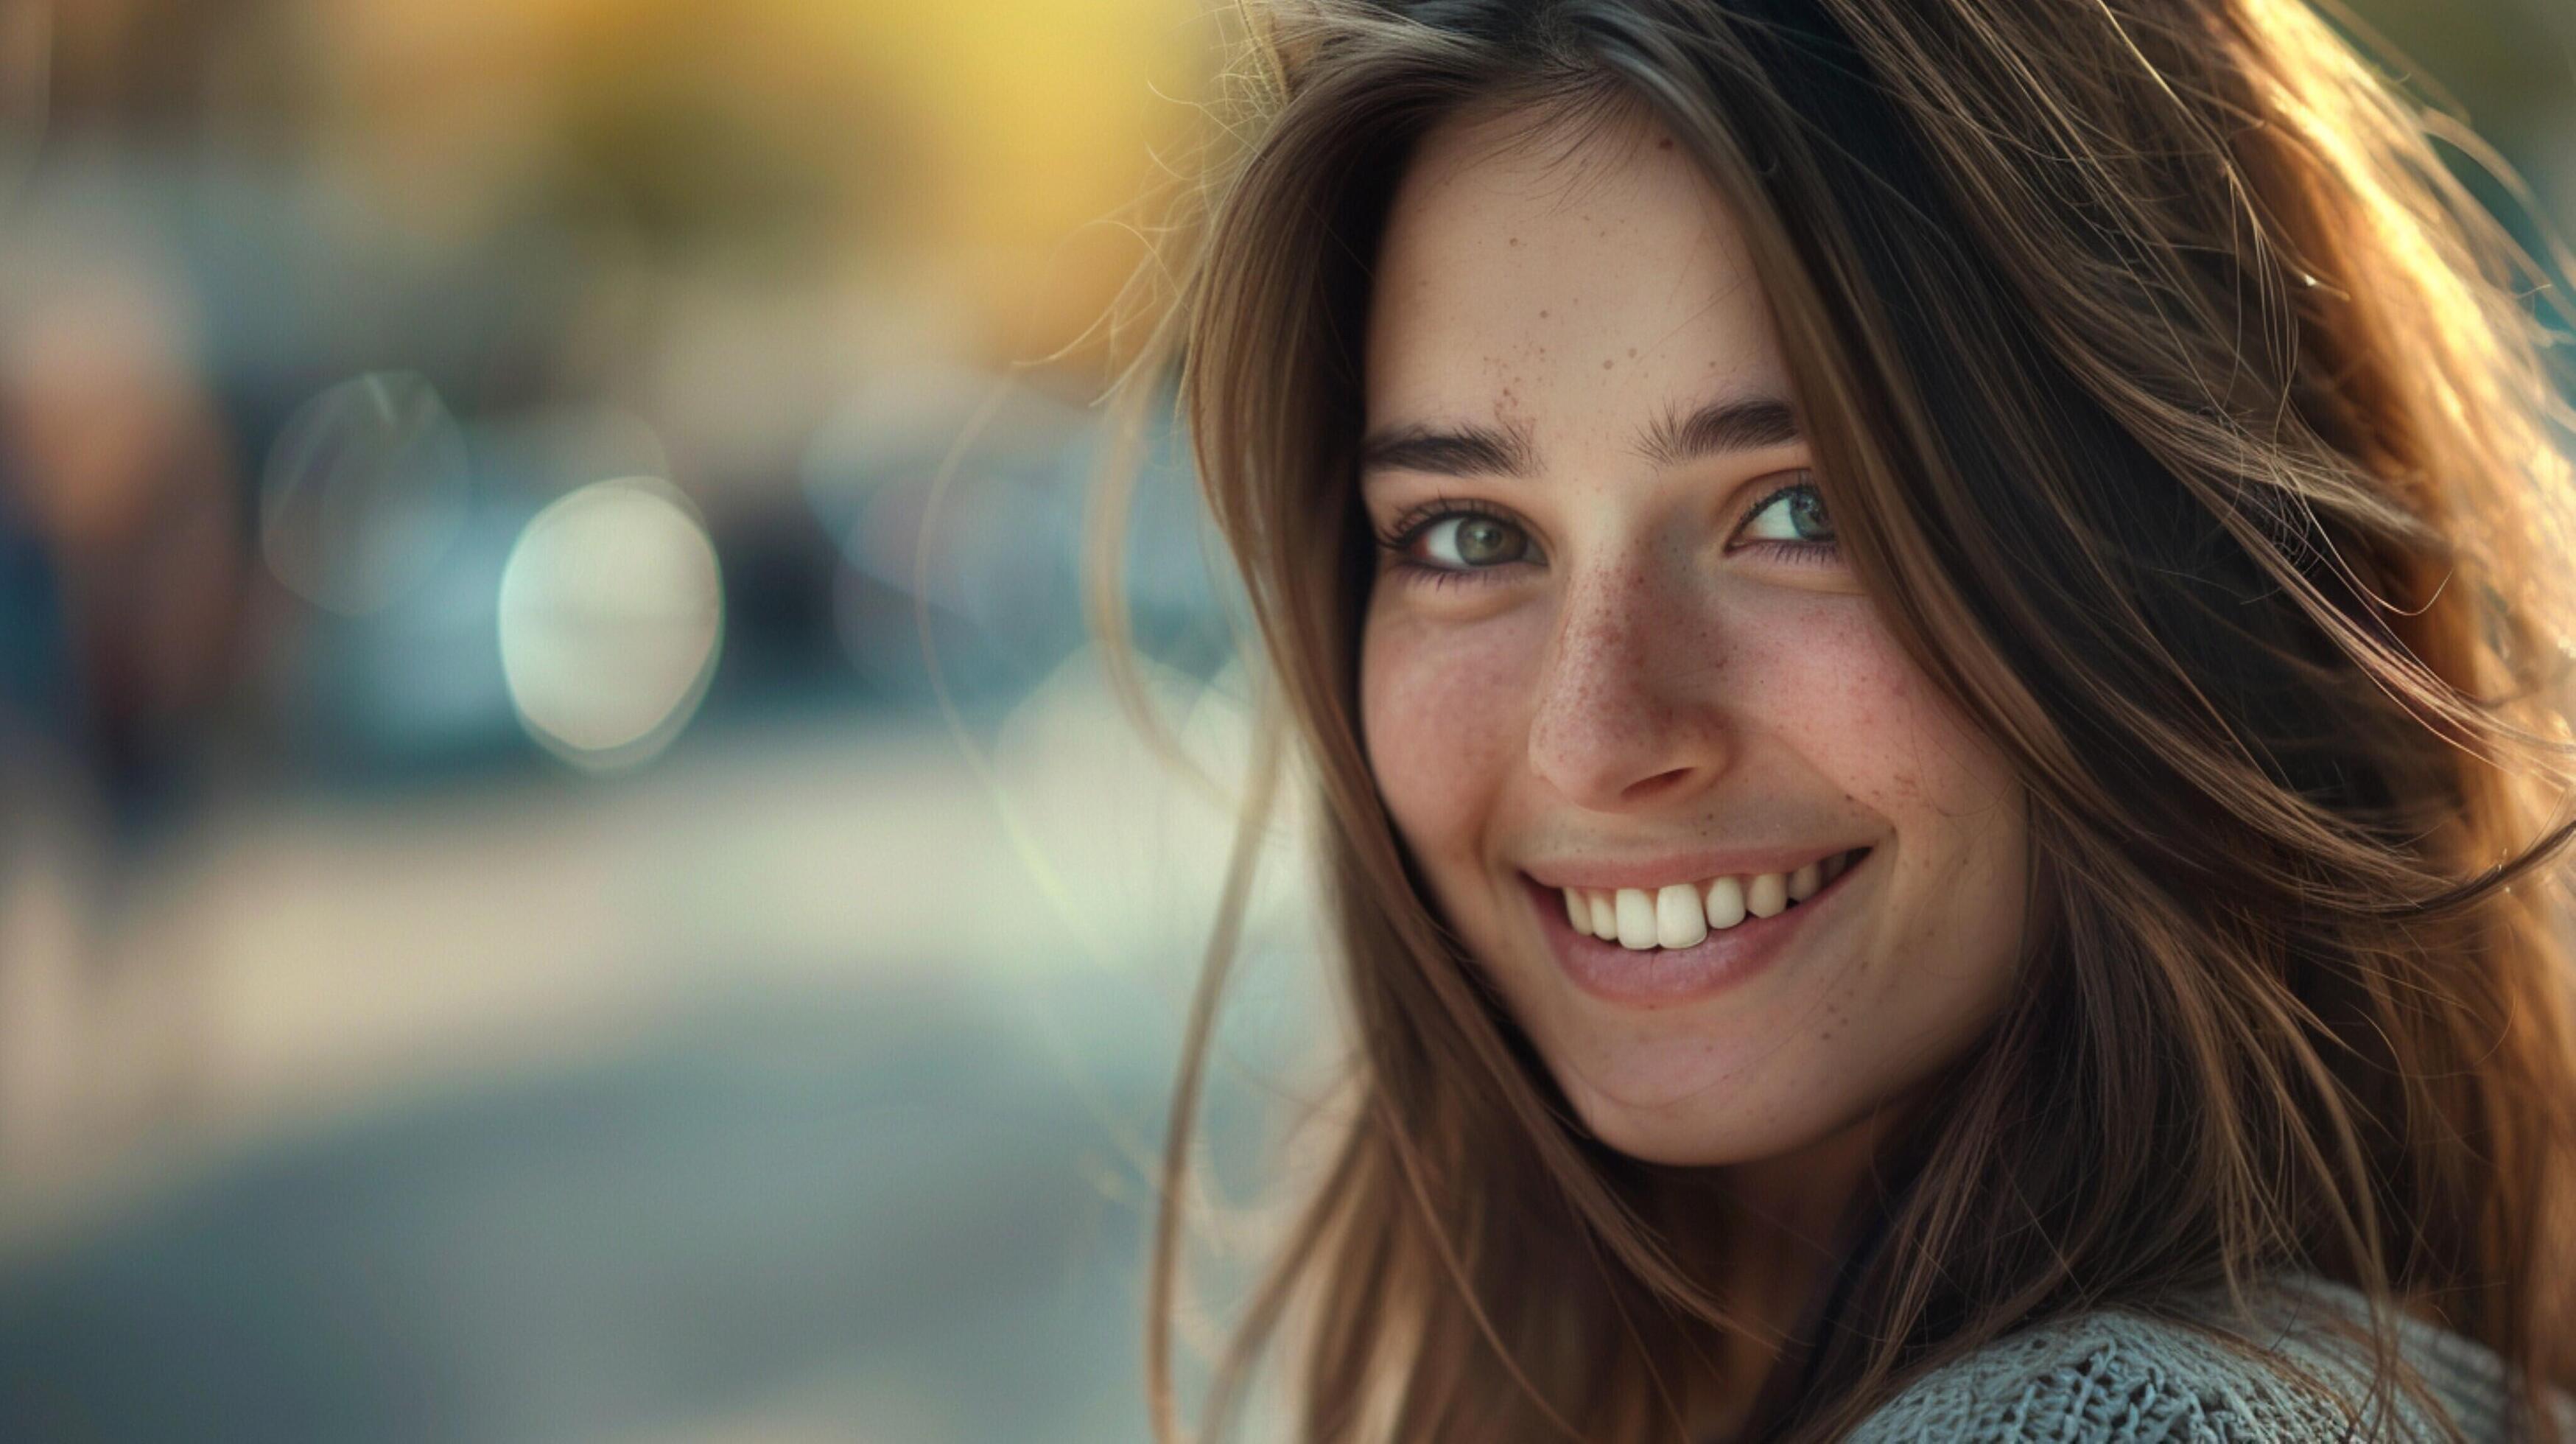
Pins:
x: 2111, y: 1376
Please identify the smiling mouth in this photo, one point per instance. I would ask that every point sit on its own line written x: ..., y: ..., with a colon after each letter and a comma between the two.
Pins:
x: 1685, y: 914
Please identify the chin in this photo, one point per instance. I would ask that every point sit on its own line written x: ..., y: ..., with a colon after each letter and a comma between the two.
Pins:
x: 1670, y: 1147
x: 1689, y: 1132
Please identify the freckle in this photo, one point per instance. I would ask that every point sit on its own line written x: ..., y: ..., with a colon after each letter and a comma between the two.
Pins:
x: 1632, y: 353
x: 1514, y: 240
x: 1606, y: 364
x: 1542, y: 315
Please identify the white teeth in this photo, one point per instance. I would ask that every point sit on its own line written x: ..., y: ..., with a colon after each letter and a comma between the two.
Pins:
x: 1725, y: 903
x: 1605, y: 922
x: 1636, y: 919
x: 1681, y: 915
x: 1679, y: 923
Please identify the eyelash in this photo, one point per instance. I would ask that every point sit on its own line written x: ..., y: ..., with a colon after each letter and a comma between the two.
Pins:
x: 1395, y: 540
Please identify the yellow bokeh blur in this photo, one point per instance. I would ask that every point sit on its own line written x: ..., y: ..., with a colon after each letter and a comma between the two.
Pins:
x: 991, y: 156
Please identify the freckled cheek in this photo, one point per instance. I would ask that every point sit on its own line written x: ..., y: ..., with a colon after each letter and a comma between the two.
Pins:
x: 1441, y: 711
x: 1835, y: 680
x: 1874, y: 727
x: 1824, y: 675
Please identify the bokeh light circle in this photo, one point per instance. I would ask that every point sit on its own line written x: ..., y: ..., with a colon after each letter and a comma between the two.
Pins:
x: 611, y: 620
x: 363, y: 493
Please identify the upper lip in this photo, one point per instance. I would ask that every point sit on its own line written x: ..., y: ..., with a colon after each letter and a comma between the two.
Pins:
x: 1608, y: 873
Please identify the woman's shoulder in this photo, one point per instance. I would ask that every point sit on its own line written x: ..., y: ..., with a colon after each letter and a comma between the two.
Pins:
x: 2118, y: 1373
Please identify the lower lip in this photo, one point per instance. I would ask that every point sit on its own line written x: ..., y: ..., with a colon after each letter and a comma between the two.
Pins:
x: 1667, y: 977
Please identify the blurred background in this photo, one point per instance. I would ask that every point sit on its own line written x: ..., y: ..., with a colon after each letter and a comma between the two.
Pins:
x: 505, y: 931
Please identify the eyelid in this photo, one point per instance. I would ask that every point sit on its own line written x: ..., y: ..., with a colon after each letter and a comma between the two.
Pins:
x: 1800, y: 478
x: 1399, y: 534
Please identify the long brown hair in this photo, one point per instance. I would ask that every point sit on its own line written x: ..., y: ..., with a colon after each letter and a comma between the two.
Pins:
x: 2189, y: 424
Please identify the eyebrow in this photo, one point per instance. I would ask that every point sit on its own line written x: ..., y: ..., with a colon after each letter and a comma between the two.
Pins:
x: 1730, y: 423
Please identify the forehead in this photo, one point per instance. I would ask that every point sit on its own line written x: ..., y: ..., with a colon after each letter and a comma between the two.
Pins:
x: 1571, y: 282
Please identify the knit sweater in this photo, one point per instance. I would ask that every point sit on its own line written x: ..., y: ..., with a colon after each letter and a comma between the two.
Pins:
x: 2113, y: 1375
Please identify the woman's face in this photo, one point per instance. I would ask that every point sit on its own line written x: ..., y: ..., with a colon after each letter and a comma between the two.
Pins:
x: 1612, y: 649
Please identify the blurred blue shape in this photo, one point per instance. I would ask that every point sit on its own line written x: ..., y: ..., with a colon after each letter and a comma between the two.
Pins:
x: 36, y: 669
x: 995, y: 552
x: 419, y: 683
x: 365, y: 489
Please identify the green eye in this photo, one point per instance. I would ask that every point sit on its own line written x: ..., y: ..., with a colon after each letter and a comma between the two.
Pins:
x: 1794, y: 514
x: 1465, y: 540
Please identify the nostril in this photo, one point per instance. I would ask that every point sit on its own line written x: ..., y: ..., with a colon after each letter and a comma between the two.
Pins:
x: 1661, y: 782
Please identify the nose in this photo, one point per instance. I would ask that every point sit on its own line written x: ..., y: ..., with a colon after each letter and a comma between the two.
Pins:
x: 1629, y: 711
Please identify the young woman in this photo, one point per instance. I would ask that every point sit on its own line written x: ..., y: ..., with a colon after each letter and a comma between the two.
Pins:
x: 1930, y: 632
